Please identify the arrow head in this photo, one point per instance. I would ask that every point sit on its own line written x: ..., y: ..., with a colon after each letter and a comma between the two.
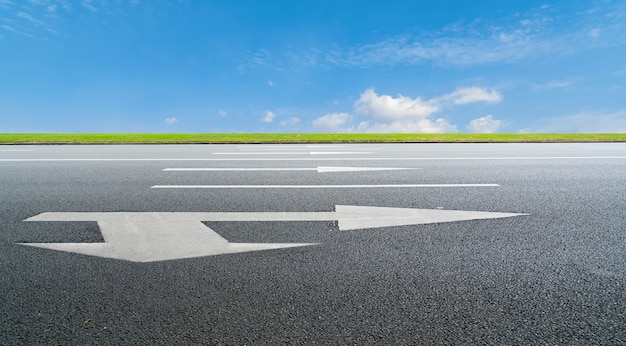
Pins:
x: 357, y: 217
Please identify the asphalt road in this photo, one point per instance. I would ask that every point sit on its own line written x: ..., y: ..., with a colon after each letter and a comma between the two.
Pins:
x: 554, y: 276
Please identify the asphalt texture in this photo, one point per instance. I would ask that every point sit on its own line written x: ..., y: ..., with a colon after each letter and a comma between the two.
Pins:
x: 555, y: 276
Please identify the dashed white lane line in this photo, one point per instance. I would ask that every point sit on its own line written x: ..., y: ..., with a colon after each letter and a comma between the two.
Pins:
x: 319, y: 186
x: 293, y: 153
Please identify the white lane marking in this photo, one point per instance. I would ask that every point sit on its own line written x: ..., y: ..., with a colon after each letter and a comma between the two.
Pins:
x: 318, y: 159
x: 319, y: 169
x: 149, y: 237
x: 318, y: 186
x: 327, y: 169
x: 292, y: 153
x: 291, y: 147
x: 286, y: 147
x: 325, y: 146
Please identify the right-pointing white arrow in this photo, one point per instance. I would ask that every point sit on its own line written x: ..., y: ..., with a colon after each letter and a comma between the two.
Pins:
x: 357, y: 217
x: 148, y: 237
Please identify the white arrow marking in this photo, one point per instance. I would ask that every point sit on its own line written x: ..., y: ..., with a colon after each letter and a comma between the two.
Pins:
x: 148, y: 237
x: 320, y: 169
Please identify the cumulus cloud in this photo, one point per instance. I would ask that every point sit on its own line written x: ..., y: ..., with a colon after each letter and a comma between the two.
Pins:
x: 222, y: 113
x: 171, y: 121
x: 404, y: 114
x: 269, y: 117
x: 386, y: 107
x: 486, y: 124
x: 334, y: 122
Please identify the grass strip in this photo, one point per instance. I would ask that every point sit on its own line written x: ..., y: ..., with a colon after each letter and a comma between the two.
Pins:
x: 267, y: 138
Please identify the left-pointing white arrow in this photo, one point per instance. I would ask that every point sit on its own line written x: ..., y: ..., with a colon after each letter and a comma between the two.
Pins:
x: 148, y: 237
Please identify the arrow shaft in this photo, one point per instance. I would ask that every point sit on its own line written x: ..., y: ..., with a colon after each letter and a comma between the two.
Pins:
x: 185, y: 217
x: 257, y: 169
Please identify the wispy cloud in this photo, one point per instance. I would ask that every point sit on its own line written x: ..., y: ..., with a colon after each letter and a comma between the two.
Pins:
x: 11, y: 29
x: 30, y: 18
x: 402, y: 114
x: 88, y: 4
x: 464, y: 96
x: 6, y: 4
x: 555, y: 84
x: 537, y: 33
x: 171, y: 121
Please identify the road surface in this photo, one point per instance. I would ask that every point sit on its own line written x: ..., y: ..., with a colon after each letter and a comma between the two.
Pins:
x: 313, y: 244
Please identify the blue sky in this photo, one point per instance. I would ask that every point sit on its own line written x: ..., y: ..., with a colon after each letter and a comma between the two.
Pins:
x: 312, y: 66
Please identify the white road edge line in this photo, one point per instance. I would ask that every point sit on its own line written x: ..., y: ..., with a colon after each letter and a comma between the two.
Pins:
x: 317, y: 159
x: 318, y: 186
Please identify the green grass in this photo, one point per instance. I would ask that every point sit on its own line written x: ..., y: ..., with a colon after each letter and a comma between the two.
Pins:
x: 301, y: 138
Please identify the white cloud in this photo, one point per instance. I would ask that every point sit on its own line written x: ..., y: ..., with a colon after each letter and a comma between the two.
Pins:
x: 521, y: 36
x: 30, y: 18
x: 470, y: 95
x: 171, y: 121
x: 486, y: 124
x: 334, y: 122
x: 404, y: 114
x: 222, y: 113
x: 386, y: 107
x: 270, y: 83
x: 269, y: 117
x: 10, y: 28
x: 88, y: 4
x: 5, y: 4
x: 555, y: 84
